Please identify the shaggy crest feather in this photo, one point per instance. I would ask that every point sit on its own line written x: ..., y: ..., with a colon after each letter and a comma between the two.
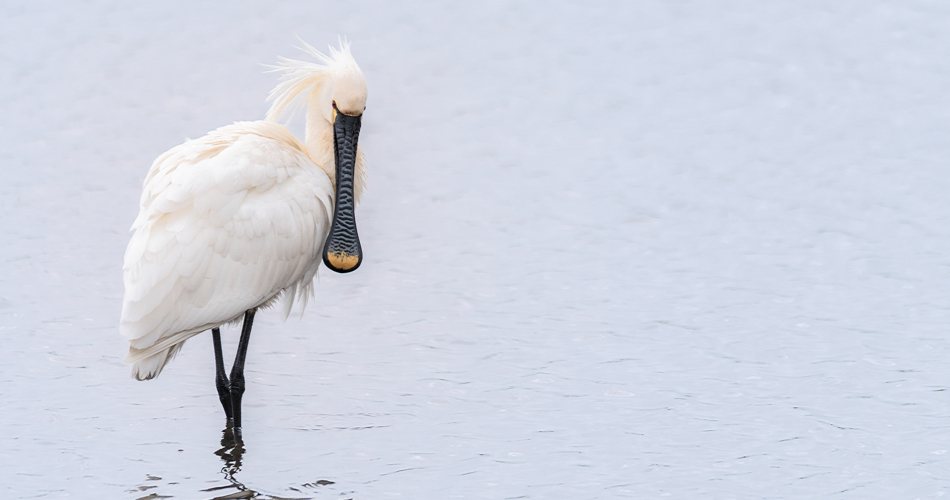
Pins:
x: 303, y: 80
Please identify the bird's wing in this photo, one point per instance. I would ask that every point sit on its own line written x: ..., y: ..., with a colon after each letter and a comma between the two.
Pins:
x: 226, y: 223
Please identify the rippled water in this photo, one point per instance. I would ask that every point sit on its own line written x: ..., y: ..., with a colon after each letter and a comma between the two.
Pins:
x: 612, y: 251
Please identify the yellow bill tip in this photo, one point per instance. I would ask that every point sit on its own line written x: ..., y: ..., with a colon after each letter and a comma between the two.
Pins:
x: 343, y: 261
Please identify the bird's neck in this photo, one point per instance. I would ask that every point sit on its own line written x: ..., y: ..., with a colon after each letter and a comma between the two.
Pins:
x: 319, y: 140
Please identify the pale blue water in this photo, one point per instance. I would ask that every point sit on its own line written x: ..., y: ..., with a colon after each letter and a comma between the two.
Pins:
x: 612, y: 251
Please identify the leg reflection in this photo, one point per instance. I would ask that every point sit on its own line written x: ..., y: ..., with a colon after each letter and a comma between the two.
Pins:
x: 231, y: 451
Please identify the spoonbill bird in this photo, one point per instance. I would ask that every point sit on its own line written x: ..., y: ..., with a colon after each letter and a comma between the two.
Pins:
x: 235, y: 220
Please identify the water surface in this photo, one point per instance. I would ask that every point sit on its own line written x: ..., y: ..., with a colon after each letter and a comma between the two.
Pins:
x: 612, y: 251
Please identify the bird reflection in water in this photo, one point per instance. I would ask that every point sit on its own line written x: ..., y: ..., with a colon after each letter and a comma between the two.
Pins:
x: 232, y: 451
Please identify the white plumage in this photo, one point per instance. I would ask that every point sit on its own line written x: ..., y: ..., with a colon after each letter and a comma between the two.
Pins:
x: 233, y: 220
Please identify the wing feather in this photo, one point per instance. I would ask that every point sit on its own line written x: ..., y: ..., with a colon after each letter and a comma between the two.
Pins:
x: 227, y: 223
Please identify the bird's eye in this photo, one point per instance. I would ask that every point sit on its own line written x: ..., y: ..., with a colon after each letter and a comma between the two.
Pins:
x: 334, y: 104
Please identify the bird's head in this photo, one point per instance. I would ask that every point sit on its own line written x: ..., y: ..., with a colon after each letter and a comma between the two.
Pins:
x: 347, y: 91
x: 335, y: 89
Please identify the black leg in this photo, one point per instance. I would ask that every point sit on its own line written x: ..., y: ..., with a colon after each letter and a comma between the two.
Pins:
x: 237, y: 372
x: 220, y: 378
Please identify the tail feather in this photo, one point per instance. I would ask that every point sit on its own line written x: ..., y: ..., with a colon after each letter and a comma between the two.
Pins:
x: 149, y: 367
x: 148, y: 362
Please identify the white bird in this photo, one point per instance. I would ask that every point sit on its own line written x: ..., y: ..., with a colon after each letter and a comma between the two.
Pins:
x: 237, y: 219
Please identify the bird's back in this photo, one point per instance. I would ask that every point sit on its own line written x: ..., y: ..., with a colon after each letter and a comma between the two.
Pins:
x: 227, y: 222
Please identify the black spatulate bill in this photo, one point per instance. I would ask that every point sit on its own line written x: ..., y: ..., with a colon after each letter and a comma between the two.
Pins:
x: 342, y: 252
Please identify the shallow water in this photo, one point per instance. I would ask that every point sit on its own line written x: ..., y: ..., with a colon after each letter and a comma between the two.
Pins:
x: 611, y: 252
